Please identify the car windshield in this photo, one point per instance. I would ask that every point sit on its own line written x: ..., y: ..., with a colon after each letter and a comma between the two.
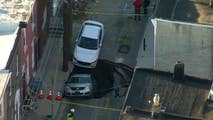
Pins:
x: 88, y: 43
x: 81, y: 79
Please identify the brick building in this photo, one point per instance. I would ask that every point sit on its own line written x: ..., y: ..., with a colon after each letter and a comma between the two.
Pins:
x: 24, y: 59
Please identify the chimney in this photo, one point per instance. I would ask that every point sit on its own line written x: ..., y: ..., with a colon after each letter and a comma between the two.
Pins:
x: 179, y: 71
x: 22, y: 24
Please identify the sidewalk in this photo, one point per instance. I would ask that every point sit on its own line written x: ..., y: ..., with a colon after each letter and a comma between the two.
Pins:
x: 50, y: 72
x: 145, y: 57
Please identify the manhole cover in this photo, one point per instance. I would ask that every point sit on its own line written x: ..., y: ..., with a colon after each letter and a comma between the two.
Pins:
x: 124, y: 49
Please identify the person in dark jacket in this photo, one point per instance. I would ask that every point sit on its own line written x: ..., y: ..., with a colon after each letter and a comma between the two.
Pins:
x: 137, y: 5
x: 145, y: 5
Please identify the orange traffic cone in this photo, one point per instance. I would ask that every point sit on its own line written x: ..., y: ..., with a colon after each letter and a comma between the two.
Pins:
x: 41, y: 95
x: 58, y: 97
x: 50, y: 96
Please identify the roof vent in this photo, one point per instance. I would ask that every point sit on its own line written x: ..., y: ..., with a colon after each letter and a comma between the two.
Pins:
x: 179, y: 71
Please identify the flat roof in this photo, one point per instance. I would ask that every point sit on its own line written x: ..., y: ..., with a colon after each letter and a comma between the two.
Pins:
x: 190, y: 43
x: 186, y: 98
x: 91, y: 31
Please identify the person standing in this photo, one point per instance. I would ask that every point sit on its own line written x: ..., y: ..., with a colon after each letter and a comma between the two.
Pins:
x: 145, y: 5
x: 70, y: 114
x: 137, y: 5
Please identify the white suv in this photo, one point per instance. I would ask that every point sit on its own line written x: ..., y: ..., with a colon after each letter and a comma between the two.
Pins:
x: 88, y: 44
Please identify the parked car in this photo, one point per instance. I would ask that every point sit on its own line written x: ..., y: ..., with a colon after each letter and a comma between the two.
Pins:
x: 88, y: 44
x: 79, y: 84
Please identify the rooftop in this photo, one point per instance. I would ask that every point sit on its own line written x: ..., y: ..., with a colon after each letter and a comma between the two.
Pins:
x: 168, y: 41
x: 180, y: 97
x: 191, y: 43
x: 91, y: 31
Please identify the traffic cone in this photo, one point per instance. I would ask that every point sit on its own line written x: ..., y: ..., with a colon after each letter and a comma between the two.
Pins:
x: 41, y: 95
x: 50, y: 96
x: 58, y: 97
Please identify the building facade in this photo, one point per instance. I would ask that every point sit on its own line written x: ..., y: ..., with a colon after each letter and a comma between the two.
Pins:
x: 11, y: 104
x: 33, y: 38
x: 24, y: 60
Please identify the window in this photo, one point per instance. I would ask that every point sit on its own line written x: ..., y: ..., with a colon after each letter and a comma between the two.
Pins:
x: 28, y: 70
x: 100, y: 36
x: 33, y: 20
x: 33, y: 53
x: 88, y: 43
x: 55, y: 5
x: 17, y: 67
x: 44, y: 18
x: 10, y: 87
x: 80, y: 80
x: 25, y: 40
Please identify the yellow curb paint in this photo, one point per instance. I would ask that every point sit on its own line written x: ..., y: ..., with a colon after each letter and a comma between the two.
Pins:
x: 91, y: 106
x: 95, y: 115
x: 107, y: 102
x: 106, y: 13
x: 106, y: 106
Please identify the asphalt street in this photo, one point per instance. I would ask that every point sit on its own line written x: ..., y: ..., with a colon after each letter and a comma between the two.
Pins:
x: 106, y: 104
x: 122, y: 34
x: 121, y: 42
x: 123, y: 37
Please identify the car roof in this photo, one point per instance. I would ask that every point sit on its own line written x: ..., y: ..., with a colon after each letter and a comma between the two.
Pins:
x: 91, y: 31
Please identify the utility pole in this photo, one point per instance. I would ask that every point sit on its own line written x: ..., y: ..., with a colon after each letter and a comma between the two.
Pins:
x: 67, y: 37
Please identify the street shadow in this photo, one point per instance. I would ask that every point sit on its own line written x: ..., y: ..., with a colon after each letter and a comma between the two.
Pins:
x: 190, y: 13
x: 184, y: 10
